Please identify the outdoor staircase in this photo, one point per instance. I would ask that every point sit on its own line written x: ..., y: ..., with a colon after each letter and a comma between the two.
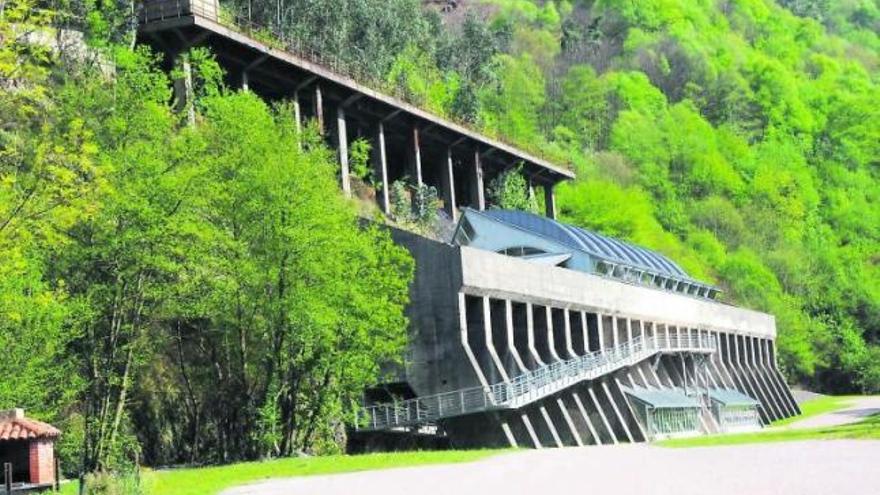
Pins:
x: 528, y: 387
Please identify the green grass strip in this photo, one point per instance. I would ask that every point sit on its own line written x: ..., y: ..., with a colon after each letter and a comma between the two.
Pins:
x: 815, y: 407
x: 212, y: 480
x: 867, y: 429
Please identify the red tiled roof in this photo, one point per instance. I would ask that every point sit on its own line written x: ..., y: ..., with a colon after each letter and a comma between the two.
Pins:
x: 26, y: 429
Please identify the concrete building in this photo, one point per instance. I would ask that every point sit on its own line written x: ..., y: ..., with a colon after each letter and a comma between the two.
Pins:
x: 529, y: 332
x: 524, y: 331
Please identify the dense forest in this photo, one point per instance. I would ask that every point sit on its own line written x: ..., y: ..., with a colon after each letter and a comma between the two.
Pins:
x: 191, y: 287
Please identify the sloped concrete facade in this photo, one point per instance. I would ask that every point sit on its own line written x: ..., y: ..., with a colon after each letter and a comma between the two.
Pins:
x: 480, y: 318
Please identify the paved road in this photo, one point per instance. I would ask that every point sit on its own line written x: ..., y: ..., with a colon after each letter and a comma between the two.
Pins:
x: 857, y: 410
x: 840, y: 467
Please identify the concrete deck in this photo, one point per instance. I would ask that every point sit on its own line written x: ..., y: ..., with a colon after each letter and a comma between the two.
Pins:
x: 840, y: 467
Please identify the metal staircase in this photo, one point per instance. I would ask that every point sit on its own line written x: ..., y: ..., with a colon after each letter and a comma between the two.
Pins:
x: 527, y: 387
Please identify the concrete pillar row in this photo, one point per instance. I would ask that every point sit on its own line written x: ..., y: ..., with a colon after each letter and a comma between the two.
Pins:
x: 775, y: 376
x: 761, y: 375
x: 630, y: 416
x: 752, y: 377
x: 778, y: 392
x: 771, y: 346
x: 765, y: 415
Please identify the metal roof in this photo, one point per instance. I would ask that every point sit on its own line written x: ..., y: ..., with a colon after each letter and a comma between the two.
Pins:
x: 730, y: 397
x: 665, y: 398
x: 597, y: 245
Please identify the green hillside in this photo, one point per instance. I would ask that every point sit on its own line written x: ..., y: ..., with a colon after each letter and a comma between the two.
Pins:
x: 192, y: 287
x: 741, y: 138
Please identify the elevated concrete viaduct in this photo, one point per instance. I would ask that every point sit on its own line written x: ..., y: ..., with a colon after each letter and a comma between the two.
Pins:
x: 406, y: 140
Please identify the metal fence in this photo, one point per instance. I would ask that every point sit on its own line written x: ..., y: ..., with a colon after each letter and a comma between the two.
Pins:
x: 162, y: 10
x: 527, y: 387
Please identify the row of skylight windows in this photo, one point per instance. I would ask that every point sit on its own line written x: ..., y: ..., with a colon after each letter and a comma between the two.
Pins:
x: 644, y: 277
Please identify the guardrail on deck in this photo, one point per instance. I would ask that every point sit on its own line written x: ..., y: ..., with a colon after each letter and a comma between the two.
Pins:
x: 527, y: 387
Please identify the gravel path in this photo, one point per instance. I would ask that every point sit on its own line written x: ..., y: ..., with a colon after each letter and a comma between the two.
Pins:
x: 839, y: 467
x: 859, y: 409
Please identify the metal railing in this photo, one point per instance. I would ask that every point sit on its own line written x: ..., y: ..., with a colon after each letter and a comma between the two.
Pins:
x: 527, y: 387
x: 162, y: 10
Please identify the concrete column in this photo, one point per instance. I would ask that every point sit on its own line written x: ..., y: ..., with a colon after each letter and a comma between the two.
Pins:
x: 490, y: 344
x: 614, y: 337
x: 382, y: 165
x: 342, y: 138
x: 448, y: 184
x: 417, y: 156
x: 319, y: 109
x: 508, y: 321
x: 629, y: 330
x: 549, y: 201
x: 188, y: 93
x: 585, y: 329
x: 551, y: 340
x: 244, y: 81
x: 297, y: 112
x: 477, y: 191
x: 568, y: 344
x: 530, y: 327
x: 601, y: 332
x: 462, y: 323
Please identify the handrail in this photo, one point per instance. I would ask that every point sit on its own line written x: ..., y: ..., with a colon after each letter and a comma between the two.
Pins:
x: 527, y: 387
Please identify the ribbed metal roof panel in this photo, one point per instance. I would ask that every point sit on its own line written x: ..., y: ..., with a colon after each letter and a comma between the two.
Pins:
x: 598, y: 245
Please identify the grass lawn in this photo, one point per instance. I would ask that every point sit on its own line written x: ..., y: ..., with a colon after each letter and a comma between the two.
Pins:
x: 817, y: 406
x: 212, y: 480
x: 867, y: 429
